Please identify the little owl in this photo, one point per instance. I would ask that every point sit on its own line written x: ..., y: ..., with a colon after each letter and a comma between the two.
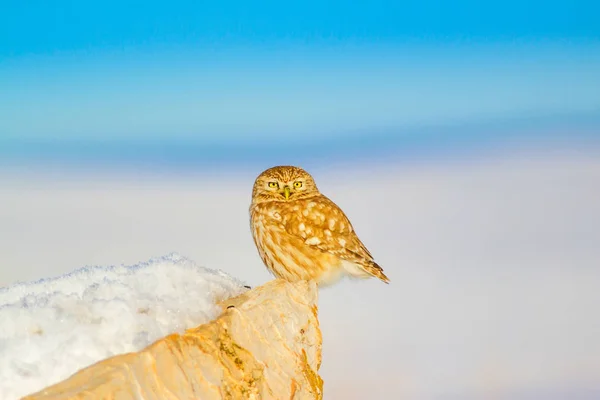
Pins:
x: 301, y: 234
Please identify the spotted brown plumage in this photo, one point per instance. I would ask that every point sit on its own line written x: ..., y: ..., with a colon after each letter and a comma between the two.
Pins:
x: 301, y: 234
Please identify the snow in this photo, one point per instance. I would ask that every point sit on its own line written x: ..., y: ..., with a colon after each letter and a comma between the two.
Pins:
x: 53, y: 327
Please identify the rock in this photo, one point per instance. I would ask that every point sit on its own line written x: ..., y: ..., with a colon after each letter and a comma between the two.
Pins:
x: 265, y: 345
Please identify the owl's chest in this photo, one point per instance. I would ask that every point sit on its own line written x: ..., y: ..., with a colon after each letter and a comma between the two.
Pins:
x: 284, y: 249
x: 263, y: 222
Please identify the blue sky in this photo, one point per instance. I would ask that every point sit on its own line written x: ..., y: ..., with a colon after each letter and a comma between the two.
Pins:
x: 223, y: 72
x: 42, y: 27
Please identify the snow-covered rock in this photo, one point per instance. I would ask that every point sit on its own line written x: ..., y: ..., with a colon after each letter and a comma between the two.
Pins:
x: 51, y: 328
x: 266, y: 345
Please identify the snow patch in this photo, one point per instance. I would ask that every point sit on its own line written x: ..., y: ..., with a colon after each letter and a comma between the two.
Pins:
x: 51, y: 328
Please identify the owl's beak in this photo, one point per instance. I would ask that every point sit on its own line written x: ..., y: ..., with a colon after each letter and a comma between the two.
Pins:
x: 286, y: 192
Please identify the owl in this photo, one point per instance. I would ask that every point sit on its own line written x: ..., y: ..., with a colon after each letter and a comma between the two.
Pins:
x: 302, y: 235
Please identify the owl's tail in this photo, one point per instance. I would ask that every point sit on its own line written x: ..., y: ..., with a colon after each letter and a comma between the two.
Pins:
x: 366, y: 269
x: 374, y: 269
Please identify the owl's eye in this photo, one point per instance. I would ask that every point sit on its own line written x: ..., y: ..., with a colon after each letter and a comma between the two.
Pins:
x: 297, y: 184
x: 273, y: 185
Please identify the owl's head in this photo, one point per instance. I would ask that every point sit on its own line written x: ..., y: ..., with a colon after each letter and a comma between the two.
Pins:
x: 283, y: 183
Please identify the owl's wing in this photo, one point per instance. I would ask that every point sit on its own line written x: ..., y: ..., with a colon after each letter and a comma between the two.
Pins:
x: 321, y: 224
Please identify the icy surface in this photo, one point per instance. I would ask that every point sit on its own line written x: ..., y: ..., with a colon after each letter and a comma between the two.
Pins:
x: 51, y: 328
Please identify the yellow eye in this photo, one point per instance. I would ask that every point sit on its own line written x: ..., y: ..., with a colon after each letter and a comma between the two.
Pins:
x: 273, y: 184
x: 297, y: 184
